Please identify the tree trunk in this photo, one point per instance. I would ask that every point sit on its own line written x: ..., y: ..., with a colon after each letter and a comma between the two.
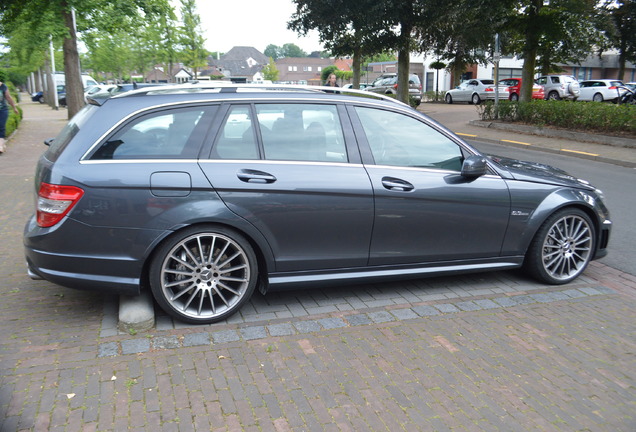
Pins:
x: 356, y: 67
x: 530, y: 52
x: 72, y: 72
x: 404, y: 63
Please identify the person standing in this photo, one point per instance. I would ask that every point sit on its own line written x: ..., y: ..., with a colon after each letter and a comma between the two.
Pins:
x: 331, y: 81
x: 5, y: 101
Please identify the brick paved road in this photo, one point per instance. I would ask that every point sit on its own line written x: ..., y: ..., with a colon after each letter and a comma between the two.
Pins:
x: 483, y: 352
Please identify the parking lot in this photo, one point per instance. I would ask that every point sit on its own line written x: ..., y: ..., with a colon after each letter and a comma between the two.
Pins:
x: 492, y: 351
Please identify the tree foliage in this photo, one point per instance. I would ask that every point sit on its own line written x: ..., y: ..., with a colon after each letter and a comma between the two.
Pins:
x: 270, y: 71
x: 194, y: 54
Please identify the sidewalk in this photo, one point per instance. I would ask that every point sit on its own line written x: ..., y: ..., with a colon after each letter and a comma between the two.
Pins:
x: 485, y: 352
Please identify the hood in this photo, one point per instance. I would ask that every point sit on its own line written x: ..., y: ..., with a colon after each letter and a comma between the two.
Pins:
x: 538, y: 172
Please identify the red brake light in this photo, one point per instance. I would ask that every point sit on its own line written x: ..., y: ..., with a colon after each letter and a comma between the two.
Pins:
x: 54, y: 202
x: 489, y: 89
x: 395, y: 86
x: 613, y: 88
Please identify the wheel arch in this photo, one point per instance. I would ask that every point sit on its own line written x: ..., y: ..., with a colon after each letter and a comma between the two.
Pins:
x: 259, y: 245
x: 523, y: 230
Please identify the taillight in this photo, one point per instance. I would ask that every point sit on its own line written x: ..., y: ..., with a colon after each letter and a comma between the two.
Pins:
x: 489, y: 89
x: 613, y: 88
x: 54, y: 202
x: 395, y: 86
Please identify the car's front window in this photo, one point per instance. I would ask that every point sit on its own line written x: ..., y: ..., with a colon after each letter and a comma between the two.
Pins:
x: 400, y: 140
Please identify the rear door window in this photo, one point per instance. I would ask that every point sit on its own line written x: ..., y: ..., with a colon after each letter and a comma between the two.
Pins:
x: 168, y: 134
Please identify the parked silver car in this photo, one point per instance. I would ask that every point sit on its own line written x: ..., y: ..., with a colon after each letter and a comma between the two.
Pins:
x: 557, y: 87
x: 602, y: 90
x: 388, y: 83
x: 475, y: 90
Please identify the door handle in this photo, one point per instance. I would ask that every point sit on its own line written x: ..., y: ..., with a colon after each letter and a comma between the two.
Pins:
x: 253, y: 176
x: 392, y: 183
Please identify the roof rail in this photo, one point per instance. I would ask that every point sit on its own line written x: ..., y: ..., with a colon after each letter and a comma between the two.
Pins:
x: 228, y: 87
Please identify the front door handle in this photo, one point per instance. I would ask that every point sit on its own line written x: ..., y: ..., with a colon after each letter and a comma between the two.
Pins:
x: 253, y: 176
x: 392, y: 183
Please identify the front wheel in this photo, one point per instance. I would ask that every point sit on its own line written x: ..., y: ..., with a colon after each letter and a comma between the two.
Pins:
x: 562, y: 248
x: 514, y: 97
x: 449, y: 98
x: 203, y: 274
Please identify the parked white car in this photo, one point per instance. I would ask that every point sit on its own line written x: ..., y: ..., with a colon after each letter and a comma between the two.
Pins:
x: 601, y: 90
x: 475, y: 90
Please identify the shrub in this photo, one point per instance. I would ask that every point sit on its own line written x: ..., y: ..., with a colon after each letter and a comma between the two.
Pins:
x: 593, y: 117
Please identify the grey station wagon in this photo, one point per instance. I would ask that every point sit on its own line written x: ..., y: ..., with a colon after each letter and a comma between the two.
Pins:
x: 203, y: 194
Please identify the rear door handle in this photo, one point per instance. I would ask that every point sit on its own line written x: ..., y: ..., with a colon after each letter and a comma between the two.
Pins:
x: 392, y: 183
x: 253, y: 176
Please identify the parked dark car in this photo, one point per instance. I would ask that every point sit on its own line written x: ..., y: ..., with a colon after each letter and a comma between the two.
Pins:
x: 204, y: 193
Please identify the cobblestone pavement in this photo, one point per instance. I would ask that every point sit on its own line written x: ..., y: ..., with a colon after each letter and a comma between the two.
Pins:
x: 486, y: 352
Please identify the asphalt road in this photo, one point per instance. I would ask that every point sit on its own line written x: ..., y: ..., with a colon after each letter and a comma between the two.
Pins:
x: 616, y: 182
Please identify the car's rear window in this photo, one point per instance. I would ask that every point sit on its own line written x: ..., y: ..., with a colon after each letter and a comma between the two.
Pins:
x: 71, y: 129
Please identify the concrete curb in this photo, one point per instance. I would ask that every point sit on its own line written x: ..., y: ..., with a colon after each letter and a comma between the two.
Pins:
x: 136, y: 314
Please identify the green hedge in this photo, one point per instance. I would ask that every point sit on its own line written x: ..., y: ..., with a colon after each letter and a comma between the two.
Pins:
x: 579, y: 116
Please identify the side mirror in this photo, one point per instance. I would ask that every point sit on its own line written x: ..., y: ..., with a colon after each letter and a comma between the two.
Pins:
x: 48, y: 141
x: 474, y: 166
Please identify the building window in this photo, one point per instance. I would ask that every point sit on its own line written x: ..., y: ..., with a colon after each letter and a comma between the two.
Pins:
x: 289, y: 68
x: 582, y: 73
x: 319, y: 68
x: 307, y: 68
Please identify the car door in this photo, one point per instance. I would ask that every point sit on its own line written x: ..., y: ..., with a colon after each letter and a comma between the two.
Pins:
x: 462, y: 93
x: 425, y: 211
x: 289, y: 169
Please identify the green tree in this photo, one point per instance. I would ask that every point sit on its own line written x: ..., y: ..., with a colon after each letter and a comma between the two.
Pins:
x: 194, y: 54
x: 270, y: 71
x: 292, y: 50
x: 344, y: 27
x: 543, y: 33
x: 55, y: 19
x: 273, y: 51
x: 619, y: 27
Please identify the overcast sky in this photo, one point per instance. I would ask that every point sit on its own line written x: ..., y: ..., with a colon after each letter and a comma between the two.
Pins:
x: 255, y: 23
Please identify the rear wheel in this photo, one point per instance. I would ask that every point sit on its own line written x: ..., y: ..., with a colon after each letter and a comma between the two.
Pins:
x: 597, y: 97
x: 203, y: 274
x: 562, y: 248
x: 476, y: 99
x: 554, y: 95
x: 514, y: 97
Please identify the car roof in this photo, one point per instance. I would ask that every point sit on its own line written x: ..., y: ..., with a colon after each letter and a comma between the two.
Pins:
x: 151, y: 95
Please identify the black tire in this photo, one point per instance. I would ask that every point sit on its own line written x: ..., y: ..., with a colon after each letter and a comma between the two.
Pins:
x: 514, y: 97
x: 203, y: 274
x: 597, y: 97
x: 554, y: 95
x: 448, y: 98
x: 475, y: 99
x: 562, y: 247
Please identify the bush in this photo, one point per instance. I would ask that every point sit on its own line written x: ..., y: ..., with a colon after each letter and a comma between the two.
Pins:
x: 432, y: 95
x: 592, y: 117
